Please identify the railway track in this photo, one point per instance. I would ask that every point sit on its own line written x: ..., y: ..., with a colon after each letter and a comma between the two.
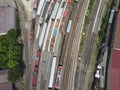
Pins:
x: 89, y: 46
x: 87, y: 51
x: 68, y: 58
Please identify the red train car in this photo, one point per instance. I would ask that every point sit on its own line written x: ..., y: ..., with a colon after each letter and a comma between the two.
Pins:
x: 58, y: 77
x: 35, y: 69
x: 69, y: 1
x: 38, y: 54
x: 35, y: 4
x: 34, y: 79
x: 37, y: 62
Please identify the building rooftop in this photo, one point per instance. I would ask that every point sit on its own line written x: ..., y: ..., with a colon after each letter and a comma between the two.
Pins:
x: 7, y: 2
x: 4, y: 83
x: 7, y: 19
x: 117, y: 34
x: 115, y: 65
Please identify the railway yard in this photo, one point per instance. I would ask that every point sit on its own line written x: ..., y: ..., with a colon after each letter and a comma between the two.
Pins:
x: 52, y: 39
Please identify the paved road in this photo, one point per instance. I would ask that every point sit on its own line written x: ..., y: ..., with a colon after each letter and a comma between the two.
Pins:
x: 84, y: 73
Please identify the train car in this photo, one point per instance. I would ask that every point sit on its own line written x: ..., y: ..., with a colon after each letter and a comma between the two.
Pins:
x: 52, y: 74
x: 34, y: 79
x: 55, y: 10
x: 58, y: 78
x: 63, y: 4
x: 38, y: 54
x: 54, y: 32
x: 37, y: 63
x: 35, y: 69
x: 69, y: 26
x: 41, y: 38
x: 49, y: 12
x: 76, y: 0
x: 32, y: 31
x: 34, y: 14
x: 43, y: 14
x: 69, y: 1
x: 35, y: 4
x: 41, y: 19
x: 111, y: 16
x: 57, y: 44
x: 57, y: 23
x: 40, y: 7
x: 33, y: 25
x: 59, y: 13
x: 48, y: 1
x: 65, y: 13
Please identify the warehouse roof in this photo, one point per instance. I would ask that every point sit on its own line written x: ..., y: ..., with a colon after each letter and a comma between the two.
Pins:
x: 7, y: 19
x: 115, y: 66
x: 4, y: 83
x: 117, y: 33
x: 115, y: 71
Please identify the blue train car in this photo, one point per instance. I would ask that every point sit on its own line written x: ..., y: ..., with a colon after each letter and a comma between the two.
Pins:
x: 69, y: 26
x: 54, y: 32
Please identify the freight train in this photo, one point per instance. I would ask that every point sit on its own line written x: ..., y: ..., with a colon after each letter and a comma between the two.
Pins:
x: 35, y: 72
x: 56, y: 84
x: 100, y: 77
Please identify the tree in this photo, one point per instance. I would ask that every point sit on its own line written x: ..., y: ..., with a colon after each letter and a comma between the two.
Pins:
x: 15, y: 73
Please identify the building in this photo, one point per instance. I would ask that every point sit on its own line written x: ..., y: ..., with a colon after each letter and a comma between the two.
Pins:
x: 7, y: 19
x: 114, y: 76
x: 4, y: 83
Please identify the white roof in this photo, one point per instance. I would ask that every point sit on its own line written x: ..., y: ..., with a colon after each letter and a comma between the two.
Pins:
x: 99, y: 67
x: 40, y: 7
x: 54, y: 12
x: 97, y: 71
x: 97, y: 76
x: 59, y: 14
x: 69, y: 26
x: 41, y: 38
x: 52, y: 73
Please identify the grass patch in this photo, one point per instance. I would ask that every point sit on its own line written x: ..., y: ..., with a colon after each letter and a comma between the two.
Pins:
x: 103, y: 26
x: 87, y: 19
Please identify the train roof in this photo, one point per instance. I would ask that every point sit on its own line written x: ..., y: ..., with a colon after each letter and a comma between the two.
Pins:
x: 57, y: 45
x: 69, y: 26
x: 41, y: 38
x: 51, y: 80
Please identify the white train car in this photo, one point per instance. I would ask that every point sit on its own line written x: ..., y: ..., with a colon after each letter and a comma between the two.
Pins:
x: 41, y: 19
x: 52, y: 74
x: 55, y: 10
x: 111, y: 16
x: 41, y: 38
x: 60, y: 11
x: 69, y: 26
x: 40, y: 7
x: 44, y: 11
